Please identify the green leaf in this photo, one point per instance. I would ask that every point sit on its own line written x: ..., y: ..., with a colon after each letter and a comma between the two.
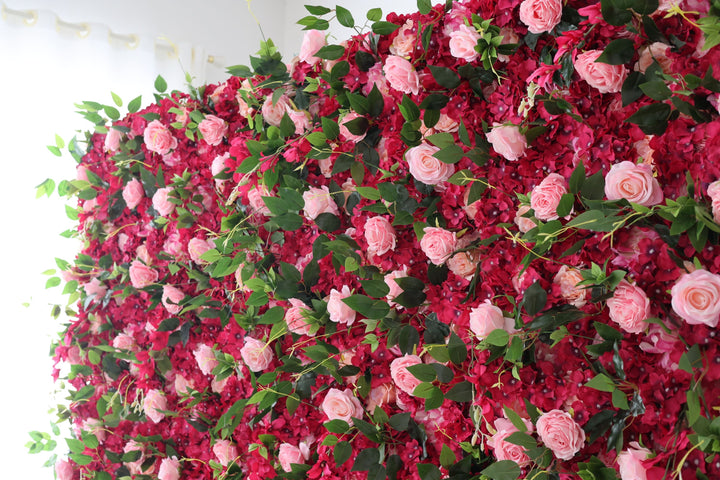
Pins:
x: 503, y: 470
x: 434, y: 101
x: 374, y: 14
x: 330, y: 128
x: 317, y: 10
x: 614, y: 15
x: 447, y: 457
x: 498, y: 337
x: 652, y: 119
x: 619, y: 400
x: 424, y: 6
x: 366, y: 459
x: 565, y: 206
x: 344, y: 16
x: 384, y: 28
x: 460, y: 392
x: 116, y: 99
x: 602, y: 383
x: 335, y: 426
x: 423, y: 372
x: 577, y: 179
x: 617, y: 52
x: 428, y: 471
x: 534, y: 299
x: 367, y: 307
x: 160, y: 84
x: 135, y: 104
x: 522, y: 439
x: 375, y: 288
x: 656, y: 89
x: 330, y: 52
x: 457, y: 349
x: 607, y: 332
x: 445, y: 77
x: 342, y: 452
x: 376, y: 104
x: 328, y: 222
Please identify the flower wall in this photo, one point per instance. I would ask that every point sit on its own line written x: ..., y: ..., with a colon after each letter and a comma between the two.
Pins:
x: 477, y: 241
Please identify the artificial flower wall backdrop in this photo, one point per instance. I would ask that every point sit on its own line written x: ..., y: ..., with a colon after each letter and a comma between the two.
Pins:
x: 475, y: 241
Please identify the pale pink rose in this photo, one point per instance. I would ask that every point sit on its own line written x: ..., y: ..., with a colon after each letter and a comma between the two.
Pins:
x: 197, y: 247
x: 81, y: 173
x: 633, y: 182
x: 288, y: 454
x: 470, y: 209
x: 524, y: 224
x: 376, y: 78
x: 112, y: 140
x: 629, y: 307
x: 350, y: 137
x: 95, y: 287
x: 205, y: 358
x: 96, y: 427
x: 256, y: 354
x: 541, y: 15
x: 383, y: 394
x: 505, y: 450
x: 713, y: 192
x: 559, y: 432
x: 395, y: 289
x: 153, y: 402
x: 401, y: 75
x: 161, y: 204
x: 124, y: 341
x: 135, y: 467
x: 244, y: 109
x: 341, y: 405
x: 337, y: 309
x: 217, y: 386
x: 213, y: 129
x: 295, y: 317
x: 606, y: 78
x: 274, y: 113
x: 239, y: 280
x: 183, y: 385
x: 141, y: 275
x: 255, y: 199
x: 171, y: 297
x: 654, y: 51
x: 509, y: 37
x: 425, y: 168
x: 300, y: 119
x: 438, y: 244
x: 63, y: 470
x: 218, y: 166
x: 169, y: 469
x: 217, y: 95
x: 463, y: 41
x: 630, y: 462
x: 404, y: 380
x: 379, y: 235
x: 225, y: 451
x: 142, y: 254
x: 696, y: 298
x: 507, y: 141
x: 183, y: 117
x: 317, y: 201
x: 446, y: 124
x: 546, y: 196
x: 486, y: 318
x: 404, y: 42
x: 158, y: 138
x: 174, y: 245
x: 313, y: 41
x: 463, y: 264
x: 567, y: 279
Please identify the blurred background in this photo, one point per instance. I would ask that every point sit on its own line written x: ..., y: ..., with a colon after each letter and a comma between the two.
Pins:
x: 54, y: 54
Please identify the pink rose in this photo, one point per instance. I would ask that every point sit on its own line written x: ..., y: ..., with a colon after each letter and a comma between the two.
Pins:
x: 95, y: 287
x: 404, y: 42
x: 225, y: 451
x: 112, y: 140
x: 713, y: 192
x: 124, y: 341
x: 213, y: 129
x: 169, y: 469
x: 559, y: 432
x: 317, y: 201
x: 379, y: 235
x: 350, y: 137
x: 295, y: 317
x: 404, y: 380
x: 606, y: 78
x: 256, y: 354
x: 135, y: 467
x: 288, y: 454
x: 218, y: 166
x: 425, y: 168
x: 341, y: 405
x: 313, y: 41
x: 507, y: 141
x: 463, y: 265
x: 629, y: 307
x: 438, y: 244
x: 395, y: 289
x: 161, y: 203
x: 696, y: 298
x: 197, y: 247
x: 486, y: 318
x: 524, y: 224
x: 141, y: 275
x: 633, y: 182
x: 205, y: 358
x: 401, y: 75
x: 255, y: 199
x: 300, y: 119
x: 446, y: 124
x: 566, y: 281
x: 630, y: 462
x: 158, y: 138
x: 133, y: 193
x: 505, y: 450
x: 171, y: 297
x: 463, y: 41
x: 383, y: 394
x: 153, y: 402
x: 654, y: 51
x: 337, y: 309
x: 546, y: 196
x: 63, y: 470
x: 174, y: 245
x: 540, y: 15
x: 273, y: 113
x: 183, y: 385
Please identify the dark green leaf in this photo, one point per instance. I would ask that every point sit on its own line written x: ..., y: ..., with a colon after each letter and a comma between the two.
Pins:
x: 375, y: 288
x: 428, y: 471
x: 460, y: 392
x: 577, y: 178
x: 445, y: 77
x: 423, y: 372
x: 434, y: 101
x: 652, y: 119
x: 337, y: 426
x: 384, y: 28
x: 594, y: 187
x: 367, y: 307
x: 598, y: 425
x: 534, y: 299
x: 614, y: 15
x: 330, y: 52
x: 450, y: 154
x: 631, y: 88
x: 424, y: 6
x: 503, y: 470
x: 408, y: 339
x: 457, y: 349
x: 656, y: 89
x: 364, y: 60
x: 328, y: 222
x: 317, y: 10
x: 522, y: 439
x: 565, y: 206
x: 342, y: 452
x: 618, y: 52
x: 344, y: 17
x: 330, y: 128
